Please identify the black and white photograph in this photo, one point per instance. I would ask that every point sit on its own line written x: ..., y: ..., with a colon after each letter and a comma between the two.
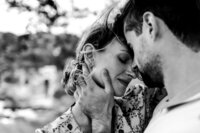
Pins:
x: 100, y: 66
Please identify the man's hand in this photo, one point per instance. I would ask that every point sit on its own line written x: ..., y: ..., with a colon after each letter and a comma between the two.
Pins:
x: 96, y: 102
x: 82, y: 119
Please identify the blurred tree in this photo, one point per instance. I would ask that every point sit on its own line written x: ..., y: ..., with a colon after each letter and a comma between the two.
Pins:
x: 35, y: 50
x: 8, y: 51
x: 65, y: 46
x: 50, y: 14
x: 47, y: 10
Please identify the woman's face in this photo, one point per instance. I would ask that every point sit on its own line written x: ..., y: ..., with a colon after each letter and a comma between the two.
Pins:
x: 117, y: 60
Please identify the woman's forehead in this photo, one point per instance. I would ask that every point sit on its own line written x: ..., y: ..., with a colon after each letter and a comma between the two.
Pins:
x: 118, y: 45
x: 124, y: 43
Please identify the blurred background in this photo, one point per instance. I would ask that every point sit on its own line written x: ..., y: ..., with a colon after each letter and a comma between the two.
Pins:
x: 37, y: 38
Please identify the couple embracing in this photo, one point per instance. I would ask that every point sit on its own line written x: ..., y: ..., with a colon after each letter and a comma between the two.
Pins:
x: 151, y: 41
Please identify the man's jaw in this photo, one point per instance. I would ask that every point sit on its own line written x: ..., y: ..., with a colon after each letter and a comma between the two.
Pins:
x: 152, y: 77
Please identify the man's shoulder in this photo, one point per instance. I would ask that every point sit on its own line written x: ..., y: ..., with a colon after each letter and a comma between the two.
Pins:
x: 182, y: 118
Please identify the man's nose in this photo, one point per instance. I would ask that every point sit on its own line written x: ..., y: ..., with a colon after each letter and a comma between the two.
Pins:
x: 133, y: 66
x: 132, y: 70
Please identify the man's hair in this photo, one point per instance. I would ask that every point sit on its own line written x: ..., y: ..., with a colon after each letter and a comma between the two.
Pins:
x: 181, y: 16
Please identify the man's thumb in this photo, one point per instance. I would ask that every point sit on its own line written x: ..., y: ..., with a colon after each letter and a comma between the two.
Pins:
x: 107, y: 82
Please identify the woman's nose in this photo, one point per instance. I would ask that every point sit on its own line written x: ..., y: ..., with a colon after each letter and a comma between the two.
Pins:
x: 129, y: 68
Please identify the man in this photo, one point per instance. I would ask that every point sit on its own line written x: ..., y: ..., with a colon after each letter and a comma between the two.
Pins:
x: 165, y: 36
x: 166, y: 41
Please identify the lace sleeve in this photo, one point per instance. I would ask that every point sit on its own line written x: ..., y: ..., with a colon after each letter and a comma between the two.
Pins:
x: 133, y: 107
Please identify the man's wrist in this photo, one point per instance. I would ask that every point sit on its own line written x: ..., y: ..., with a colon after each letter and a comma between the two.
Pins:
x: 99, y: 126
x: 82, y: 120
x: 102, y: 123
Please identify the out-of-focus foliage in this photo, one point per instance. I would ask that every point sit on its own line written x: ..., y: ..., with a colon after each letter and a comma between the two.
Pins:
x: 50, y: 16
x: 46, y: 9
x: 30, y: 79
x: 33, y: 63
x: 35, y: 50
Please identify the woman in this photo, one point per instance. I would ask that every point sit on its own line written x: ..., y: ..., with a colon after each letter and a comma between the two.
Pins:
x: 101, y: 48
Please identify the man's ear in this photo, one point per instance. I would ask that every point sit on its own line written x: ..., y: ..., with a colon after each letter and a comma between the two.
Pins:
x: 150, y: 25
x: 89, y: 54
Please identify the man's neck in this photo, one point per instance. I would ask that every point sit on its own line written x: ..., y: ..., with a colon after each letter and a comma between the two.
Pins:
x: 182, y: 74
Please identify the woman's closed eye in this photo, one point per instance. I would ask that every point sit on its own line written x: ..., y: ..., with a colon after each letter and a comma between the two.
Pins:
x: 124, y: 58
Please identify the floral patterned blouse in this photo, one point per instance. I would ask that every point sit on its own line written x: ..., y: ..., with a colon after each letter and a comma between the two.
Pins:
x: 132, y: 112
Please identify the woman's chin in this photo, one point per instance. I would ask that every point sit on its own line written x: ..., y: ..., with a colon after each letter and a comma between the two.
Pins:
x: 119, y: 90
x: 118, y: 95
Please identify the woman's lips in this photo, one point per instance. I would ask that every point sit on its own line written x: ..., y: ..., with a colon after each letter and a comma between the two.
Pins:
x: 124, y: 82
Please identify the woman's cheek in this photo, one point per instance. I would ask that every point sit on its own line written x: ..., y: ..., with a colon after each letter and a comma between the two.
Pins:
x: 96, y: 74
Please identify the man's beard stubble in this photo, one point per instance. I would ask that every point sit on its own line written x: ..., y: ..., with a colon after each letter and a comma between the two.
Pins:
x: 152, y: 74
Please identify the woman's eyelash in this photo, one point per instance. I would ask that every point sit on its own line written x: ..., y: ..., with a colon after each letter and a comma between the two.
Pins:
x: 123, y: 58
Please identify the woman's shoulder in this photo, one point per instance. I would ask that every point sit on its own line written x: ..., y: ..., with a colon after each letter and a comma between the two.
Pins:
x: 62, y: 124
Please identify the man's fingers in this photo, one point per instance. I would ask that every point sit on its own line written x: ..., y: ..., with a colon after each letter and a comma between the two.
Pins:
x: 78, y: 90
x: 107, y: 82
x: 81, y: 81
x: 76, y: 95
x: 85, y: 69
x: 70, y: 89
